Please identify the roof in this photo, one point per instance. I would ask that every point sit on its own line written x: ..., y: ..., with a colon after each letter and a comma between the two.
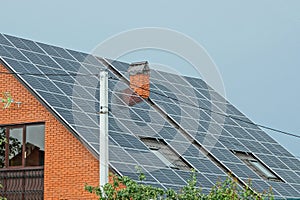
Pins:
x: 187, y: 118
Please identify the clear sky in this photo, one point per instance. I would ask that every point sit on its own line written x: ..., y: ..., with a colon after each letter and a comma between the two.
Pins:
x: 255, y: 44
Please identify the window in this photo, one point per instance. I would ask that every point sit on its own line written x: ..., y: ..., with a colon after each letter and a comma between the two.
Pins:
x: 257, y: 166
x: 262, y: 169
x: 166, y: 154
x: 162, y: 158
x: 23, y: 146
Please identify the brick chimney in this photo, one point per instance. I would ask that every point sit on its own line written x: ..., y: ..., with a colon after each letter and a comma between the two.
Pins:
x: 139, y: 74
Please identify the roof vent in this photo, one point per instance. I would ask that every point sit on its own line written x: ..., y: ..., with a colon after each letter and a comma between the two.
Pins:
x: 139, y: 74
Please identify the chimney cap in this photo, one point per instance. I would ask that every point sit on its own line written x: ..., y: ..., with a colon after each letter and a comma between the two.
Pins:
x: 139, y: 68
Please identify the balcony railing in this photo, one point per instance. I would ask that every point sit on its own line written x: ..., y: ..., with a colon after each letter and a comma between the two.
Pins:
x: 23, y: 184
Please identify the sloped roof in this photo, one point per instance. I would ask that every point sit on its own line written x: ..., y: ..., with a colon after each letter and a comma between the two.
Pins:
x: 183, y: 112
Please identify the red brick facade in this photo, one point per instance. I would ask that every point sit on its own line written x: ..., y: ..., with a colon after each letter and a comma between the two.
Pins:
x: 68, y: 164
x: 140, y: 83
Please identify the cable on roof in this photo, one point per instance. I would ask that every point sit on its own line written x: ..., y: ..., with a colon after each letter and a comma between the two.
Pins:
x: 222, y: 114
x: 160, y: 94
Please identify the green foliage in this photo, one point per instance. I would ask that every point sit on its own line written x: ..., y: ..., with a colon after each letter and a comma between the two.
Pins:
x: 230, y: 190
x: 2, y: 146
x: 2, y: 198
x: 2, y: 141
x: 124, y: 188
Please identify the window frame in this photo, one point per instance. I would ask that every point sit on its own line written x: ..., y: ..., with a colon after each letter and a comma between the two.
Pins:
x: 259, y: 166
x: 262, y: 170
x: 157, y: 150
x: 7, y: 128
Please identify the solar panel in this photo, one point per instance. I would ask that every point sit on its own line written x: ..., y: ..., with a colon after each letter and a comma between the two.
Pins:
x: 129, y: 170
x: 17, y: 42
x: 4, y: 52
x: 189, y: 102
x: 65, y: 92
x: 15, y: 53
x: 261, y: 186
x: 4, y: 41
x: 247, y: 137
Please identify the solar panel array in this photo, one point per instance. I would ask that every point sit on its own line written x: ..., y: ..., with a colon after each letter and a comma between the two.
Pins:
x: 221, y: 128
x: 75, y: 98
x: 74, y: 95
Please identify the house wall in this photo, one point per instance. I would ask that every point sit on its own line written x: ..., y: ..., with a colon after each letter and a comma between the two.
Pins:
x: 68, y: 164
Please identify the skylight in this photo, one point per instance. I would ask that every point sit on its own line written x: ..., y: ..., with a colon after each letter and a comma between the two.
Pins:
x: 256, y: 165
x: 162, y: 158
x: 267, y: 173
x: 166, y: 154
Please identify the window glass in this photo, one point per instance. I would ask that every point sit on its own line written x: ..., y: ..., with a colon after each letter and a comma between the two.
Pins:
x: 15, y: 146
x: 257, y: 166
x: 22, y: 145
x: 162, y: 158
x: 35, y: 145
x: 262, y: 169
x: 2, y: 146
x: 165, y: 154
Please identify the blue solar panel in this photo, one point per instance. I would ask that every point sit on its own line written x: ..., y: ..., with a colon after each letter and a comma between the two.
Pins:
x: 17, y: 42
x: 121, y: 66
x: 32, y: 46
x: 16, y: 54
x: 62, y: 53
x: 48, y: 61
x: 48, y: 49
x: 4, y: 52
x: 4, y: 41
x: 33, y: 57
x: 189, y: 102
x: 167, y: 176
x: 81, y: 57
x: 206, y: 98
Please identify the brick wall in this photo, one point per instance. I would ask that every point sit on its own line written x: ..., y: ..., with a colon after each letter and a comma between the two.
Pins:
x: 68, y: 164
x: 140, y: 83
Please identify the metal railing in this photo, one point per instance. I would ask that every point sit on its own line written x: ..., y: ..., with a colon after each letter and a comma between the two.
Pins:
x: 22, y: 184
